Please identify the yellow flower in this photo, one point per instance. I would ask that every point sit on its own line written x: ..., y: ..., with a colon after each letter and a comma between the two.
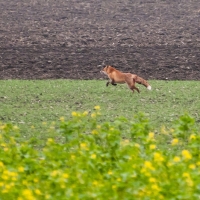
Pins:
x: 137, y: 145
x: 192, y: 166
x: 119, y: 179
x: 169, y: 164
x: 47, y: 196
x: 7, y: 187
x: 145, y: 172
x: 3, y: 144
x: 188, y: 179
x: 97, y: 107
x: 151, y: 136
x: 50, y: 141
x: 158, y: 157
x: 186, y: 154
x: 5, y: 191
x: 62, y: 185
x: 54, y: 173
x: 198, y: 163
x: 12, y: 174
x: 35, y: 180
x: 1, y: 165
x: 190, y: 182
x: 152, y: 180
x: 28, y: 194
x: 125, y: 142
x: 84, y: 146
x: 12, y: 139
x: 94, y: 132
x: 93, y: 156
x: 15, y: 128
x: 62, y: 119
x: 25, y: 182
x: 95, y: 183
x: 5, y: 149
x: 161, y: 197
x: 175, y: 141
x: 155, y: 187
x: 164, y: 131
x: 134, y: 166
x: 152, y: 146
x: 2, y: 127
x: 148, y: 165
x: 21, y: 169
x: 38, y: 192
x: 65, y: 175
x: 85, y: 113
x: 98, y: 126
x: 110, y: 172
x: 5, y: 177
x: 73, y: 157
x: 74, y: 114
x: 114, y: 186
x: 186, y: 175
x: 192, y: 137
x: 176, y: 159
x: 93, y: 115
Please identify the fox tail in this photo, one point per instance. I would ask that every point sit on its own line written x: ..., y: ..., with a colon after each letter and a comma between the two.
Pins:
x: 142, y: 81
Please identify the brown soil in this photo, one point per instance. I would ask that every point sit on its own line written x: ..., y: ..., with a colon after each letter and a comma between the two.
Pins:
x: 49, y: 39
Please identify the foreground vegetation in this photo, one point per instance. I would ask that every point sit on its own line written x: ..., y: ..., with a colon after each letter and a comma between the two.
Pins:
x: 96, y: 161
x: 35, y: 106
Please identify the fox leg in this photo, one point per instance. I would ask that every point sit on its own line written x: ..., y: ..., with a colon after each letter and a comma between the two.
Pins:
x: 135, y: 86
x: 132, y: 86
x: 112, y: 82
x: 137, y: 89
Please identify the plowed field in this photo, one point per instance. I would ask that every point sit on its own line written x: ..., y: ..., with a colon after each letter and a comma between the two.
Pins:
x: 73, y: 39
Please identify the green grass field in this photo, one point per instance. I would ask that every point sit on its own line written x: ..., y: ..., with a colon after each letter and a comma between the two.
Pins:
x: 33, y: 105
x: 59, y: 153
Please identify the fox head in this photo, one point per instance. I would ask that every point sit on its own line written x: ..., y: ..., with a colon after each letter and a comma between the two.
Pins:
x: 106, y: 70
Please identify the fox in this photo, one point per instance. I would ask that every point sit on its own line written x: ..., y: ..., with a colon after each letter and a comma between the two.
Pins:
x: 115, y: 76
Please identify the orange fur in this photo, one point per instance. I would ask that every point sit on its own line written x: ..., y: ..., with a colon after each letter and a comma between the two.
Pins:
x: 117, y: 76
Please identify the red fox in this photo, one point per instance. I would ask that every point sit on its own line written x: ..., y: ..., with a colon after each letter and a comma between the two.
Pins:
x: 117, y: 76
